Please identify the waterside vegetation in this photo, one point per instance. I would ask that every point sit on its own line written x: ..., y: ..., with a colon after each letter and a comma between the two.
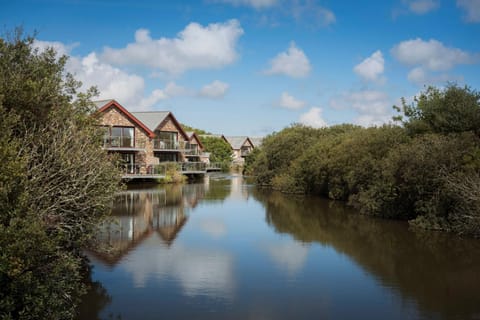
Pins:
x: 424, y: 169
x: 56, y: 182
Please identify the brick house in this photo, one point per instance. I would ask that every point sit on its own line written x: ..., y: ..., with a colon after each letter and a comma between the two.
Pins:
x: 143, y: 139
x: 126, y: 135
x: 170, y: 139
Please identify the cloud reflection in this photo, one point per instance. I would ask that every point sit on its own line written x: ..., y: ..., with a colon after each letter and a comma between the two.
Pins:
x: 213, y: 227
x: 290, y: 256
x: 198, y: 272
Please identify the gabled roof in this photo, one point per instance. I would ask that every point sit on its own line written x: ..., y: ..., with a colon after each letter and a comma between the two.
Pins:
x: 256, y: 141
x: 191, y: 135
x: 104, y: 105
x: 236, y: 142
x: 153, y: 119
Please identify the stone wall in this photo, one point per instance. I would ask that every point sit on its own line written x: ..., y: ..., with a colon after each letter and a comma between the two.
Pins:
x: 113, y: 117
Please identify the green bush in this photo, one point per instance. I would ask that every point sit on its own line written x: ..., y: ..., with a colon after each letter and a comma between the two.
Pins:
x: 56, y: 183
x: 426, y: 171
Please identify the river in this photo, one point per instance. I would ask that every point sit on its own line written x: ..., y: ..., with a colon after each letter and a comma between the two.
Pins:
x: 223, y: 249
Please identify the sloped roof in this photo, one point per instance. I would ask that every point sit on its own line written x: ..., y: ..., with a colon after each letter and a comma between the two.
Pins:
x: 151, y: 118
x: 104, y: 105
x: 256, y: 141
x: 101, y: 103
x: 236, y: 142
x: 193, y: 134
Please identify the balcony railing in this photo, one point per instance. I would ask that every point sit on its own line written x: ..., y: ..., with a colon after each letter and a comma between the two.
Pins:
x: 163, y: 144
x: 193, y: 166
x: 192, y: 152
x: 162, y: 168
x: 122, y: 142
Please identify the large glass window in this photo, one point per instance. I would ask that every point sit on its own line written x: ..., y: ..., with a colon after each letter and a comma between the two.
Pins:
x: 121, y: 137
x: 166, y: 140
x: 166, y: 157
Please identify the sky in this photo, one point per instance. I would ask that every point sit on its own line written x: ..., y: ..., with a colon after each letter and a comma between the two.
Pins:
x: 253, y: 67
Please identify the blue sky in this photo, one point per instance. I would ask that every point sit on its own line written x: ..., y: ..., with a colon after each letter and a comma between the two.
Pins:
x: 250, y: 67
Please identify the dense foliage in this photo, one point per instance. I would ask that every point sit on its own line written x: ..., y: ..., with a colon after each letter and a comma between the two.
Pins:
x: 220, y: 151
x: 192, y: 129
x: 426, y: 171
x: 55, y: 182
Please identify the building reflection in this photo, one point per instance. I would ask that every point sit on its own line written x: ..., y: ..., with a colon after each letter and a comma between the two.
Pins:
x: 137, y: 214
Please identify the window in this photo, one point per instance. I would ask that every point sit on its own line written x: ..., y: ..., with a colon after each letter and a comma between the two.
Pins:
x: 166, y: 157
x: 167, y: 140
x: 120, y: 137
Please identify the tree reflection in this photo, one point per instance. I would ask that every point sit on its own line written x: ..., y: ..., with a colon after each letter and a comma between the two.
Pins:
x: 93, y: 302
x: 437, y: 270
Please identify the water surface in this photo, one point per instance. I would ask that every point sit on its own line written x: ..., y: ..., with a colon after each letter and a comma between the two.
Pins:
x: 222, y: 249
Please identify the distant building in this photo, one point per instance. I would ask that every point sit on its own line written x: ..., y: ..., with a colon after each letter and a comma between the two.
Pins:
x: 241, y: 147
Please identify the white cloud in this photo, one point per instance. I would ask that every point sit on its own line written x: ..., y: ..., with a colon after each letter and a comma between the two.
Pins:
x: 431, y: 55
x: 371, y: 68
x: 214, y: 90
x: 257, y: 4
x: 195, y: 47
x: 293, y: 63
x: 114, y: 83
x: 420, y: 77
x: 472, y: 9
x: 417, y: 75
x: 308, y: 12
x: 110, y: 81
x: 421, y: 6
x: 313, y: 118
x: 61, y: 48
x: 289, y: 102
x: 373, y: 107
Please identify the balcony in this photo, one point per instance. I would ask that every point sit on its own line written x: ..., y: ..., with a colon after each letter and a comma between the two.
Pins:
x: 141, y: 170
x: 245, y: 152
x: 192, y: 152
x: 168, y: 145
x: 122, y: 143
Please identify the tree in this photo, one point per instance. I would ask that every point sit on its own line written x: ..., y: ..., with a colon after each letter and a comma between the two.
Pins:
x: 220, y: 150
x: 197, y: 131
x: 56, y: 182
x: 449, y: 110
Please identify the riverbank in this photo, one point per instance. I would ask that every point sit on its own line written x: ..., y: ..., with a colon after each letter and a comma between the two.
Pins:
x: 426, y: 170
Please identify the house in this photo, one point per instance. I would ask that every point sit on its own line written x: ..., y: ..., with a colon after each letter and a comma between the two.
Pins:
x: 126, y: 135
x: 145, y: 139
x: 194, y: 148
x: 241, y: 147
x: 256, y: 141
x: 170, y: 139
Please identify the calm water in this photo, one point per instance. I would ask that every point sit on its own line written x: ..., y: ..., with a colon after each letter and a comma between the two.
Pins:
x: 222, y: 249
